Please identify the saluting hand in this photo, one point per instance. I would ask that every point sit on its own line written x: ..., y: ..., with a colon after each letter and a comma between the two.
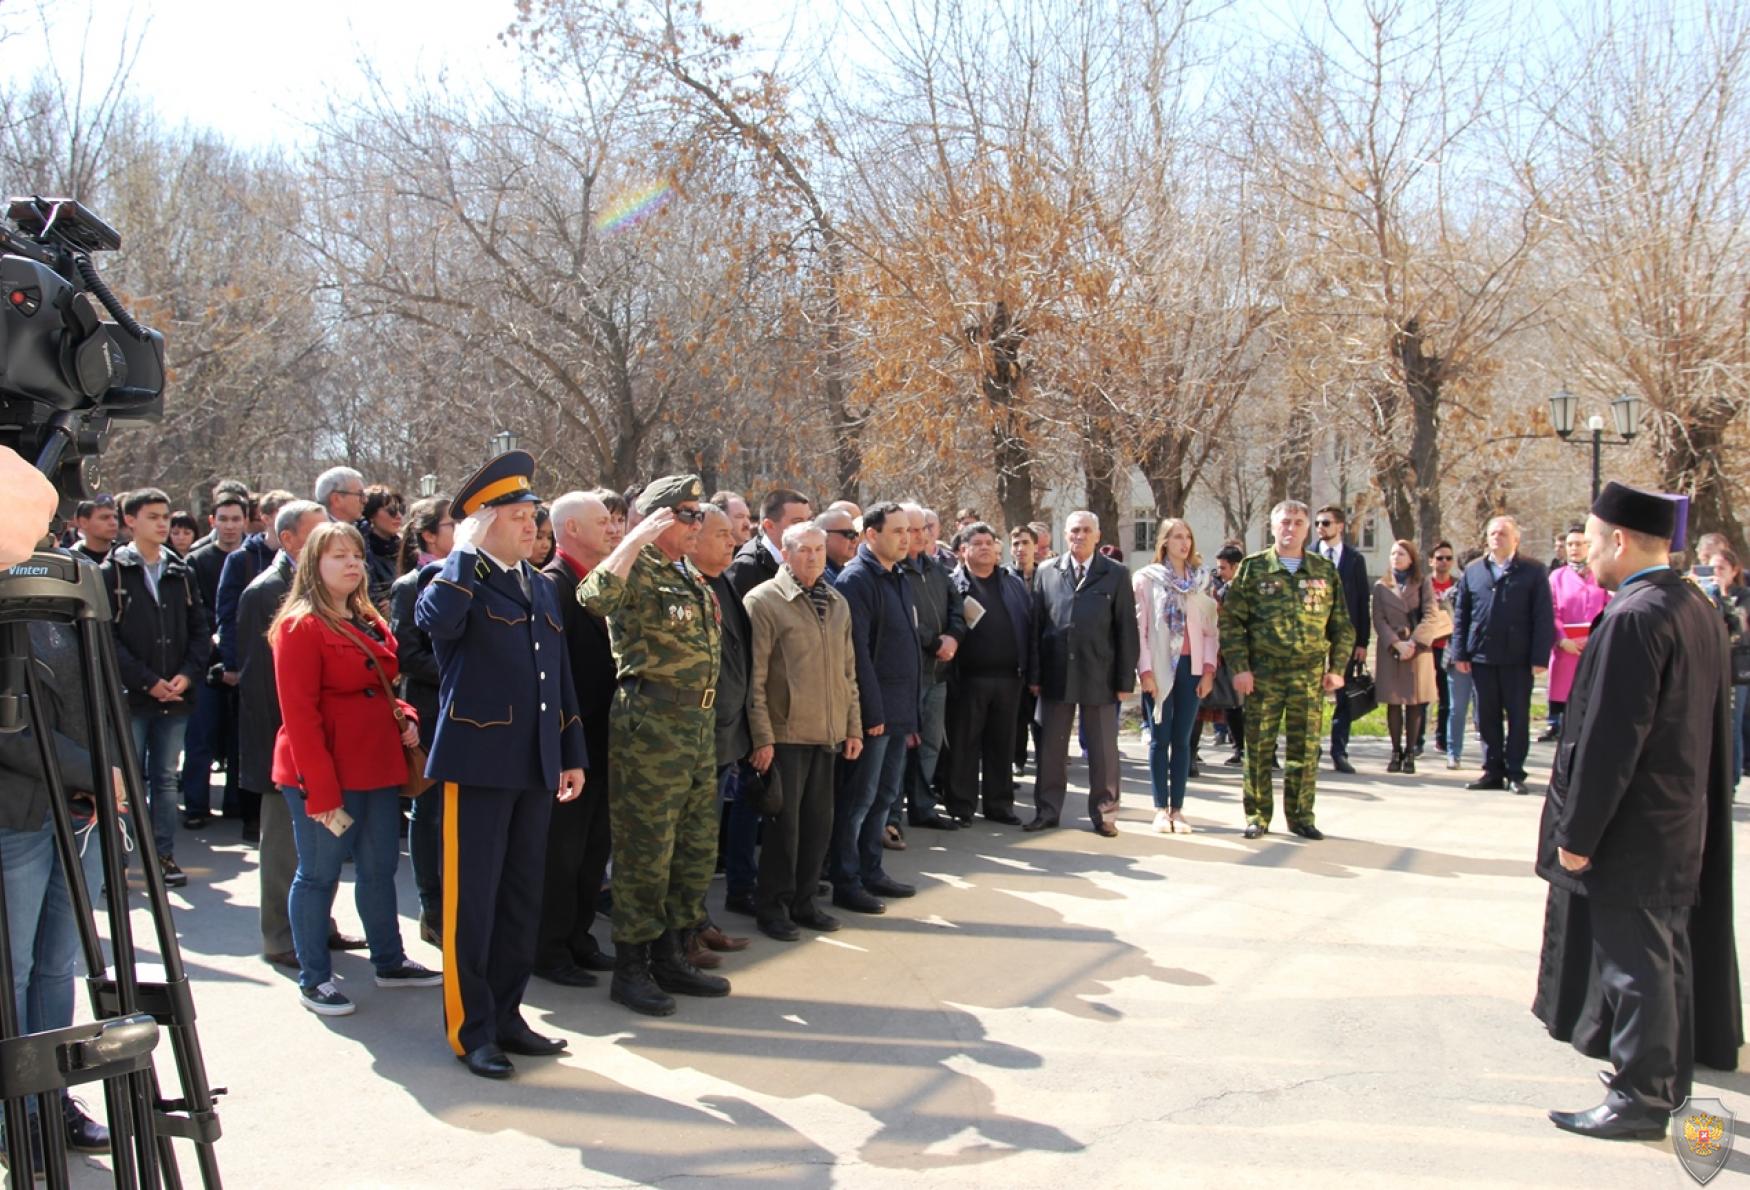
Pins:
x: 472, y: 531
x: 570, y: 785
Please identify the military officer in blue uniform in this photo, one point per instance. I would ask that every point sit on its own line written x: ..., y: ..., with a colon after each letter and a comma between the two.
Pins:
x: 508, y: 742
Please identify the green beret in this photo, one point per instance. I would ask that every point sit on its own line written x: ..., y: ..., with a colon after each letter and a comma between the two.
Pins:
x: 670, y: 492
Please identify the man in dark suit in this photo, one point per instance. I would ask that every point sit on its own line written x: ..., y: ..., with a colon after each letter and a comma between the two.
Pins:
x: 760, y: 558
x: 989, y: 671
x: 579, y: 841
x: 508, y: 741
x: 213, y: 726
x: 258, y: 722
x: 1084, y: 618
x: 1503, y: 627
x: 1638, y: 816
x: 1330, y: 522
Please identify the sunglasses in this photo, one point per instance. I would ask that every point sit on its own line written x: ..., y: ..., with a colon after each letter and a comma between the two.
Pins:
x: 1443, y: 557
x: 689, y: 516
x: 847, y: 534
x: 393, y: 509
x: 1325, y: 523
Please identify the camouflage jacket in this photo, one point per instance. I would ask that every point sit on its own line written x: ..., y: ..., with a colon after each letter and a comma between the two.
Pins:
x: 1272, y: 619
x: 663, y: 621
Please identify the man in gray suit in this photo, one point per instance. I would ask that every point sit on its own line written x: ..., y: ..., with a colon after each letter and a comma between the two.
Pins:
x: 1084, y: 618
x: 258, y: 722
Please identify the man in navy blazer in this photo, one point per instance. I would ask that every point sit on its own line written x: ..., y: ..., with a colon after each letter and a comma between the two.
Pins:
x: 1085, y: 651
x: 1330, y: 522
x: 508, y: 740
x: 1503, y: 627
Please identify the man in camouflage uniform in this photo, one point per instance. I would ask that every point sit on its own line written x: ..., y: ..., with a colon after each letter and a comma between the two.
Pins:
x: 665, y: 628
x: 1286, y: 634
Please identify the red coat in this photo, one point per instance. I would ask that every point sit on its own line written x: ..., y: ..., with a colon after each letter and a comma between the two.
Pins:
x: 337, y: 731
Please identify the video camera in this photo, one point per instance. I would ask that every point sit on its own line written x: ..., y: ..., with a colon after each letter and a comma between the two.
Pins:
x: 66, y: 370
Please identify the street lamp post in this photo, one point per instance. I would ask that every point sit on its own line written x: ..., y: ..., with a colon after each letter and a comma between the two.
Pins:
x: 1626, y: 410
x: 428, y: 485
x: 502, y: 442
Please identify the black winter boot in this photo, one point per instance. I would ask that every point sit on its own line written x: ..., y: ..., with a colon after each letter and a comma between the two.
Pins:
x: 633, y: 985
x: 673, y: 973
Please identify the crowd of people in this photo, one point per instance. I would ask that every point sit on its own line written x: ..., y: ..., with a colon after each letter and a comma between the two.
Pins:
x: 635, y: 690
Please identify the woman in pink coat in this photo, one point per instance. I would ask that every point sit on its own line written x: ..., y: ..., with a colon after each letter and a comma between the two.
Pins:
x: 1578, y: 599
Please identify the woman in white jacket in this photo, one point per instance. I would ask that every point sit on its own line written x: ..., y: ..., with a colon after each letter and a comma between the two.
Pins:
x: 1176, y: 619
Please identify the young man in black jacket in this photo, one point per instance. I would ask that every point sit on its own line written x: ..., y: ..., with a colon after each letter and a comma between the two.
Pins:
x: 162, y: 643
x: 213, y: 726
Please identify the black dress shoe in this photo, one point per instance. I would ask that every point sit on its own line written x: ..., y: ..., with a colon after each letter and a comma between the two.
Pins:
x: 858, y: 901
x: 1605, y: 1123
x: 886, y: 886
x: 488, y: 1062
x: 1237, y: 757
x: 1254, y: 830
x: 530, y: 1043
x: 1518, y: 787
x: 741, y: 903
x: 779, y: 928
x: 1550, y: 735
x: 1006, y: 819
x: 1306, y: 830
x: 595, y: 960
x: 1041, y: 824
x: 965, y: 820
x: 1487, y: 783
x: 196, y: 822
x: 936, y: 822
x: 826, y: 923
x: 340, y: 941
x: 569, y: 975
x: 1340, y: 764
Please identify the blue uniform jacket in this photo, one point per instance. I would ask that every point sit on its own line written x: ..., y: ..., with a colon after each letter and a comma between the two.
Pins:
x: 1507, y: 622
x: 507, y: 709
x: 884, y: 635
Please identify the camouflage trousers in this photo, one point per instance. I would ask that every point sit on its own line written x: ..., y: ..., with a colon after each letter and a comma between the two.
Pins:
x: 1290, y: 702
x: 662, y: 811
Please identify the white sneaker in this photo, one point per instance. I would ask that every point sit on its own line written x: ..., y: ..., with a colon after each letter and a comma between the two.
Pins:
x: 1163, y: 822
x: 1451, y: 763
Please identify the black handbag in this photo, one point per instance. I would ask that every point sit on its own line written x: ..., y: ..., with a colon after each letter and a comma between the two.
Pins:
x: 1358, y: 692
x: 1222, y: 696
x: 761, y: 789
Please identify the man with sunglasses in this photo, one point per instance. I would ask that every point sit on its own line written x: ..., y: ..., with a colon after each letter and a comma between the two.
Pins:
x: 1330, y: 523
x: 1443, y: 583
x: 842, y: 540
x: 665, y: 628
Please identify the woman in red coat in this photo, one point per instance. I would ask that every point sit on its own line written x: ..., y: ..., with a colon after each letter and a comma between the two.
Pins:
x: 338, y: 759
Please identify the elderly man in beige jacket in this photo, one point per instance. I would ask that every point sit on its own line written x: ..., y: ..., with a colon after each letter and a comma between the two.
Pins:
x: 802, y: 708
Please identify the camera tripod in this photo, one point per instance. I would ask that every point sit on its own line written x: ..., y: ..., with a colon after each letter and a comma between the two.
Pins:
x: 130, y: 1013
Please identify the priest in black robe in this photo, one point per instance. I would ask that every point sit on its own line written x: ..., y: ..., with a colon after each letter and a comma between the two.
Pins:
x: 1639, y: 960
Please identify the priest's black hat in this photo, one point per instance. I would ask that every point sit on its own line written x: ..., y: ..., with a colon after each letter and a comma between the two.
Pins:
x: 1636, y: 509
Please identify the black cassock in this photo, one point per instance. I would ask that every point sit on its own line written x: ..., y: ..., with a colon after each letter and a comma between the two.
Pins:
x: 1649, y: 721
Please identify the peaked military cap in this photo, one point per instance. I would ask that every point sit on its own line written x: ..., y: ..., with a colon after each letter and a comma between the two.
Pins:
x: 504, y: 480
x: 1636, y: 509
x: 669, y: 492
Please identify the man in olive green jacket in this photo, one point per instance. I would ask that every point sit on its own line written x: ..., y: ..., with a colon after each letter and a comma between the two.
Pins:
x: 802, y: 706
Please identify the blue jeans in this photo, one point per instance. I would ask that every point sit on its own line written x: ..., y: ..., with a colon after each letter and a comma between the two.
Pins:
x: 1458, y: 696
x: 198, y: 748
x: 860, y: 813
x: 374, y: 843
x: 1169, y: 741
x: 158, y: 745
x: 41, y: 927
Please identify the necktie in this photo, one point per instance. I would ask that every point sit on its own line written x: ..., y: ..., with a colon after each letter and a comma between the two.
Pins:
x: 522, y: 579
x: 1081, y: 573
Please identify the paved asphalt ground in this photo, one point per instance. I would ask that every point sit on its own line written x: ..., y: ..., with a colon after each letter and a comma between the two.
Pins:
x: 1055, y: 1010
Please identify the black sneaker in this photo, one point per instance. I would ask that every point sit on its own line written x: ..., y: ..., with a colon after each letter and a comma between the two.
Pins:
x: 84, y: 1134
x: 174, y: 877
x: 409, y: 975
x: 326, y: 1000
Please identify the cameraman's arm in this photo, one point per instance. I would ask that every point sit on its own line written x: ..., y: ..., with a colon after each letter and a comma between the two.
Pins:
x: 27, y: 510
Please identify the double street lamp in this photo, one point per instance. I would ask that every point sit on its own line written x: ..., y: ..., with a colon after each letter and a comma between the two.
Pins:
x: 502, y: 442
x: 428, y: 485
x: 1625, y: 410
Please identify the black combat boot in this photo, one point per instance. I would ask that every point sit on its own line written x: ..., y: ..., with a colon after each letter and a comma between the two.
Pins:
x: 632, y: 984
x: 673, y: 973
